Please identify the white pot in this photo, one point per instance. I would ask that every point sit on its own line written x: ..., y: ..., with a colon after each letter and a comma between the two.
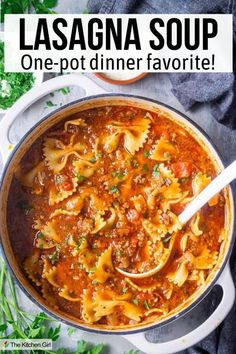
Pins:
x: 94, y: 97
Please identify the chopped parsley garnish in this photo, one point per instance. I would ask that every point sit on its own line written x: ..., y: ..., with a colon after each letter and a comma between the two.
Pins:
x: 118, y: 253
x: 119, y: 174
x: 124, y: 290
x: 12, y: 85
x: 93, y: 159
x: 23, y: 6
x: 99, y: 155
x: 167, y: 238
x: 81, y: 239
x: 145, y: 168
x: 135, y: 302
x: 79, y: 177
x: 147, y: 153
x: 40, y: 246
x: 70, y: 331
x: 58, y: 247
x: 146, y: 305
x: 92, y: 270
x: 114, y: 189
x: 40, y: 235
x: 64, y: 90
x: 50, y: 104
x: 134, y: 163
x: 155, y: 171
x: 54, y: 257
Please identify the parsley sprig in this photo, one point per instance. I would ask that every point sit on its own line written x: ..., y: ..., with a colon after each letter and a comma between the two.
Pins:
x: 26, y: 6
x: 12, y: 85
x: 17, y: 324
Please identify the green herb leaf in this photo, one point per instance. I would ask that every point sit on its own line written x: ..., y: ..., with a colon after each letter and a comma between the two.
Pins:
x: 134, y: 163
x: 81, y: 239
x: 64, y: 90
x: 146, y: 305
x: 145, y: 168
x: 119, y: 174
x: 50, y: 3
x: 54, y: 333
x: 135, y: 302
x: 40, y: 235
x: 93, y: 159
x: 12, y: 85
x: 114, y: 189
x: 70, y: 331
x: 82, y: 347
x: 167, y: 238
x: 155, y: 171
x: 92, y: 270
x: 50, y: 104
x: 147, y: 153
x: 124, y: 290
x: 3, y: 327
x: 97, y: 349
x: 34, y: 332
x: 54, y: 257
x: 79, y: 177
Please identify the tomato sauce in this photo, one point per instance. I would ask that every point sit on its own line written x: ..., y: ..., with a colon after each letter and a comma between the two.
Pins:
x: 102, y: 191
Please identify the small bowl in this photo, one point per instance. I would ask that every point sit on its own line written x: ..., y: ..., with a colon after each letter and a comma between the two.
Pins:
x: 38, y: 76
x: 120, y: 82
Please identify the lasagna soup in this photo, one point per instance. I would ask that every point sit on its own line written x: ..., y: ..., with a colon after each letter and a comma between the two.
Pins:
x: 101, y: 192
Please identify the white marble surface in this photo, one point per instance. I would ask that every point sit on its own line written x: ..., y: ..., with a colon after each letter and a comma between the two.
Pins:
x: 156, y: 86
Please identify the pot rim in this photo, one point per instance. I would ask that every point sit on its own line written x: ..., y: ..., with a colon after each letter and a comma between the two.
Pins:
x: 146, y: 327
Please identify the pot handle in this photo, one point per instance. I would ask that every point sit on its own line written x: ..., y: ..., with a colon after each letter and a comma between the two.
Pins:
x: 33, y: 95
x: 191, y: 338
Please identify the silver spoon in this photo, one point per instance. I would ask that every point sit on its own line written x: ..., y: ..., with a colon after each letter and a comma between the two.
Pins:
x: 224, y: 178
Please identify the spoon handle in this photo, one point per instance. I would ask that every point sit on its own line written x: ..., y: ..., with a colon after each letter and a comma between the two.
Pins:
x: 207, y: 193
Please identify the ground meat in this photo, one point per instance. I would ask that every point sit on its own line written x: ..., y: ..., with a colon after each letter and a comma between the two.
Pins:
x: 139, y: 179
x: 85, y: 226
x: 122, y: 228
x: 141, y: 238
x: 165, y: 218
x: 124, y: 262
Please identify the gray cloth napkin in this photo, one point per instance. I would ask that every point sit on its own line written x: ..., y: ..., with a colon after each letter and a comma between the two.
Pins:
x: 217, y: 89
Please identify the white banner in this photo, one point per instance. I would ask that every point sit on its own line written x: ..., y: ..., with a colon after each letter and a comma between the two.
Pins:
x: 99, y: 43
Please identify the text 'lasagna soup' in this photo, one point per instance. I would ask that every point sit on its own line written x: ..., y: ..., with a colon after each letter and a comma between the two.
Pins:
x: 101, y: 191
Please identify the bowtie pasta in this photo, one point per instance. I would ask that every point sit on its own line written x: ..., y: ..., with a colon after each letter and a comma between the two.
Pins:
x: 101, y: 191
